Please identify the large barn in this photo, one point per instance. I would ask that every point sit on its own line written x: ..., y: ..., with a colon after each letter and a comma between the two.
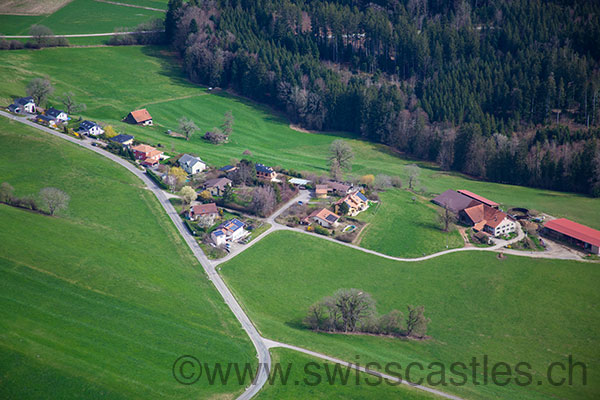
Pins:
x: 581, y: 236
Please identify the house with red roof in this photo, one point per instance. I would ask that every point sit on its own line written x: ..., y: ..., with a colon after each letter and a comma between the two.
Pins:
x: 479, y: 198
x: 484, y: 218
x: 207, y: 212
x: 139, y: 117
x: 580, y: 236
x: 148, y: 155
x: 323, y: 217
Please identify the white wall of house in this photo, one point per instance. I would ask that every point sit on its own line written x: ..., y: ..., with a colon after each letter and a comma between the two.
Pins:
x: 506, y: 226
x: 323, y: 222
x: 218, y: 240
x: 240, y: 233
x: 29, y: 107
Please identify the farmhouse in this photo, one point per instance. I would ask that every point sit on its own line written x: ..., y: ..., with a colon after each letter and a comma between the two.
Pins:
x: 323, y: 217
x: 208, y: 211
x: 190, y: 164
x: 338, y: 188
x: 217, y: 186
x: 581, y: 236
x: 488, y: 219
x: 139, y: 117
x: 356, y: 202
x: 147, y: 154
x: 58, y: 115
x: 480, y: 199
x: 125, y: 140
x: 230, y: 230
x: 90, y: 128
x: 264, y: 172
x: 321, y: 191
x: 454, y: 201
x: 46, y: 120
x: 23, y: 104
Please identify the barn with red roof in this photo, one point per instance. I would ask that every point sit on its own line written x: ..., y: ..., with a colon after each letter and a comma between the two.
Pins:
x: 581, y: 236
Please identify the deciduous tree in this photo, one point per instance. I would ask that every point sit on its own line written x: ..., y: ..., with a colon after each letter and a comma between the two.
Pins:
x: 40, y: 89
x: 55, y: 199
x: 187, y: 127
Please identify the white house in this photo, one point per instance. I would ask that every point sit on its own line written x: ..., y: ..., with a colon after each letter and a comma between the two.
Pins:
x: 90, y: 128
x: 228, y: 231
x: 192, y: 165
x: 488, y: 219
x: 23, y: 104
x: 324, y: 217
x: 58, y: 115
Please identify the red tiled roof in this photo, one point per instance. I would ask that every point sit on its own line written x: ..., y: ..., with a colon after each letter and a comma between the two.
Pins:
x: 202, y: 209
x: 324, y: 214
x: 575, y: 230
x: 143, y: 148
x: 141, y: 115
x: 479, y: 198
x: 482, y: 213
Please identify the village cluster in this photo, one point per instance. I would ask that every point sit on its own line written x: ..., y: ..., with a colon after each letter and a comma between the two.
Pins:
x: 331, y: 209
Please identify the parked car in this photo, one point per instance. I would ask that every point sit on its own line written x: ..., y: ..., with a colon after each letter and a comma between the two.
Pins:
x: 94, y: 144
x: 300, y: 202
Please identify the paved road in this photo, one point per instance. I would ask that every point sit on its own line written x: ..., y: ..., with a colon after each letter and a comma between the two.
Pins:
x: 264, y: 358
x: 271, y: 344
x: 81, y: 35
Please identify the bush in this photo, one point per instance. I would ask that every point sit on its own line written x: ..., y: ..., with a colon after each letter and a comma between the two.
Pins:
x: 157, y: 179
x: 320, y: 230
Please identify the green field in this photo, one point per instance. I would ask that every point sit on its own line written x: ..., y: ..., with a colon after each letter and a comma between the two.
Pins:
x: 513, y: 310
x: 403, y: 227
x: 313, y: 378
x: 126, y: 78
x: 84, y: 16
x: 100, y: 301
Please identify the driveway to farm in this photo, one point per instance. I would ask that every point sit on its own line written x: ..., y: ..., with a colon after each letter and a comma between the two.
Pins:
x: 264, y: 356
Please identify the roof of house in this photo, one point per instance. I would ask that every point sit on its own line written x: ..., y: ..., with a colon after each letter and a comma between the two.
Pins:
x: 228, y: 168
x: 143, y: 148
x: 217, y: 182
x: 353, y: 199
x: 264, y: 169
x: 483, y: 214
x: 218, y: 232
x: 321, y: 189
x: 232, y: 225
x: 87, y: 125
x: 338, y: 187
x: 299, y: 181
x: 53, y: 112
x: 325, y: 214
x: 575, y: 230
x: 202, y: 209
x: 189, y: 160
x: 141, y: 115
x: 361, y: 196
x: 24, y: 100
x: 478, y: 198
x: 121, y: 138
x: 454, y: 201
x: 46, y: 118
x: 13, y: 107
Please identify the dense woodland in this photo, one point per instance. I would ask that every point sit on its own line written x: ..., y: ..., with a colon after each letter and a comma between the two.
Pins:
x: 502, y: 90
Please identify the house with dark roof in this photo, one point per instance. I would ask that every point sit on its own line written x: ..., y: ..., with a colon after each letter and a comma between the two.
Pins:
x: 90, y: 128
x: 23, y: 105
x: 46, y: 120
x: 264, y: 172
x: 58, y: 115
x: 228, y: 168
x: 217, y: 186
x: 229, y: 231
x: 207, y: 211
x: 484, y: 218
x: 577, y: 235
x: 323, y: 217
x: 356, y: 202
x: 125, y: 140
x: 190, y: 164
x: 454, y: 201
x: 139, y: 117
x: 341, y: 189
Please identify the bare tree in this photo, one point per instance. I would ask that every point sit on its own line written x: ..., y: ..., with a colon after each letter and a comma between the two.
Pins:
x: 6, y: 192
x: 187, y: 127
x: 216, y: 136
x: 416, y: 322
x: 446, y: 219
x: 72, y: 107
x: 42, y: 35
x: 353, y: 305
x: 39, y: 89
x: 263, y: 200
x: 340, y: 155
x: 413, y: 172
x: 55, y: 199
x: 228, y: 121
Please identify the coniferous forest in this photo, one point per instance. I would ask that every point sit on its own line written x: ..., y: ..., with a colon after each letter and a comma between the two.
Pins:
x: 507, y: 91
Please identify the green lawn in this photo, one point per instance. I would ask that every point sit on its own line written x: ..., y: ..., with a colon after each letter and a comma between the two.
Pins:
x: 84, y: 16
x: 100, y: 301
x: 513, y: 310
x: 125, y: 78
x: 403, y: 227
x: 302, y: 377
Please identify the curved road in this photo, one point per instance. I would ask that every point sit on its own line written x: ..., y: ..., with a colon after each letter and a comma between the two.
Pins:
x: 264, y: 357
x: 79, y: 35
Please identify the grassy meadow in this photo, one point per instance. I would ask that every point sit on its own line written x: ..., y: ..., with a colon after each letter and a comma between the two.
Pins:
x: 85, y: 16
x: 314, y: 378
x: 515, y: 309
x: 99, y: 301
x: 126, y: 78
x: 403, y: 227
